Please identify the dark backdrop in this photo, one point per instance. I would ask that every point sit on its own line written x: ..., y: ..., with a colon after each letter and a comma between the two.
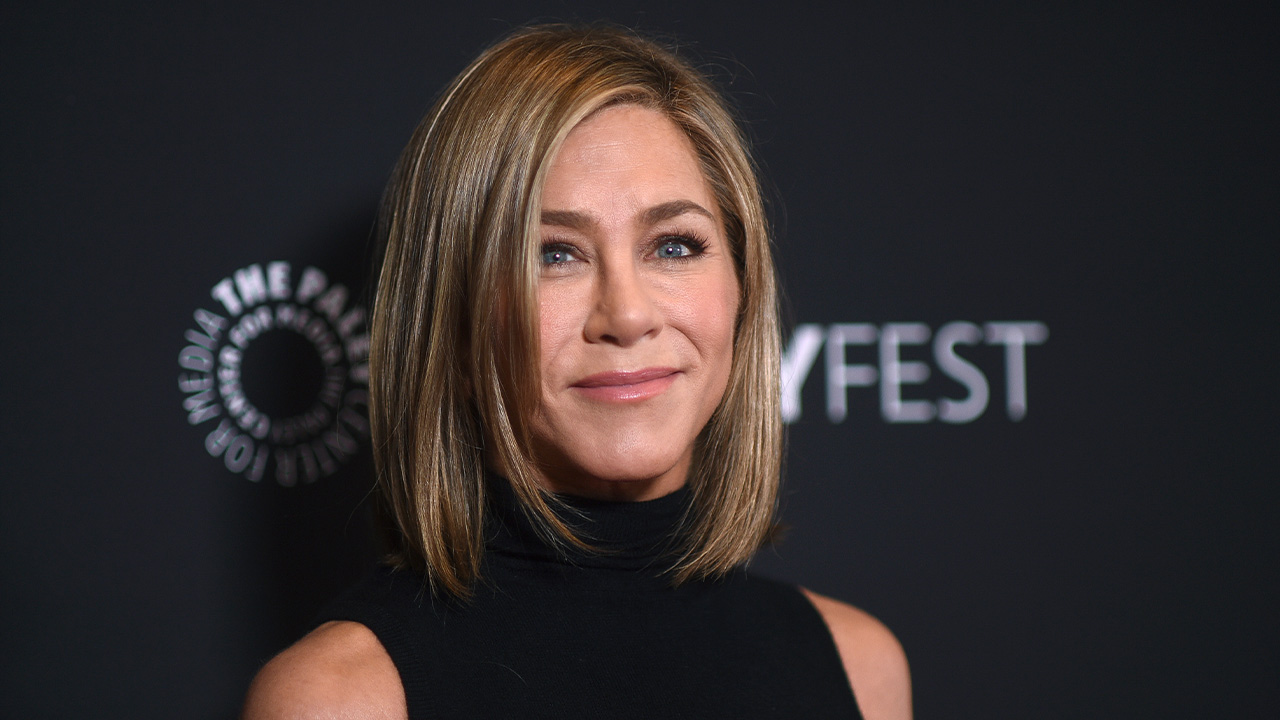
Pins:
x: 1097, y: 541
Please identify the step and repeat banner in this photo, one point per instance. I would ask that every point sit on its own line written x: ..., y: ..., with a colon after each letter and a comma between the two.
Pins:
x: 1027, y: 377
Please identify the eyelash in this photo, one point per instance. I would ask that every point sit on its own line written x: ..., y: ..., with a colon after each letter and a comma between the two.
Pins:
x: 556, y: 247
x: 695, y: 245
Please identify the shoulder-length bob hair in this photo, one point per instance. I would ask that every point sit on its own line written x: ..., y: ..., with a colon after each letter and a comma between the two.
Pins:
x: 454, y: 359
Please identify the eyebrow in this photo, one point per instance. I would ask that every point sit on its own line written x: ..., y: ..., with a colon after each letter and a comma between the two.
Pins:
x: 651, y: 216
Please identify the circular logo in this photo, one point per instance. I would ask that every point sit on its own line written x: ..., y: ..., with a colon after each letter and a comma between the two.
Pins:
x: 280, y: 376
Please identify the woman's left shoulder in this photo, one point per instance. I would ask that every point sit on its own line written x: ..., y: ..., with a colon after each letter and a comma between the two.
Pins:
x: 873, y: 659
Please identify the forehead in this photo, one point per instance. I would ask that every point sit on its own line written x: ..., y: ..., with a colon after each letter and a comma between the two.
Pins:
x: 627, y: 153
x: 621, y: 121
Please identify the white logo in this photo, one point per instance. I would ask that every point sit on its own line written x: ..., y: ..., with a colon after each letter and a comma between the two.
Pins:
x: 892, y: 372
x: 309, y: 434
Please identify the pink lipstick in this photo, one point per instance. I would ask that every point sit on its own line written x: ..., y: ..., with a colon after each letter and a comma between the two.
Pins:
x: 627, y: 386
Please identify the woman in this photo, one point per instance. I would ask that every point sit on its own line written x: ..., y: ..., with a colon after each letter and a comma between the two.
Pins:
x: 575, y: 417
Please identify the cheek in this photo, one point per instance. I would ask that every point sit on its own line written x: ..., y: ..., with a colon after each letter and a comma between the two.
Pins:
x: 710, y: 316
x: 556, y: 325
x: 729, y: 300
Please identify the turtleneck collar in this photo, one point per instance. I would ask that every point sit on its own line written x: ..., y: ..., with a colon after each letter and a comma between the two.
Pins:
x: 626, y: 535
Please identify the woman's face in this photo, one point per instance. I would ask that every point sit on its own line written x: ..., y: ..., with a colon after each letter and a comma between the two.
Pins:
x: 637, y: 298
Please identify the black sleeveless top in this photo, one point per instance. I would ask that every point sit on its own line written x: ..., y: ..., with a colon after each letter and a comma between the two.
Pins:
x: 550, y: 634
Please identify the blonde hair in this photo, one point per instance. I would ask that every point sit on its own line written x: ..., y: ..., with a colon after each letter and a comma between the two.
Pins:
x: 454, y: 360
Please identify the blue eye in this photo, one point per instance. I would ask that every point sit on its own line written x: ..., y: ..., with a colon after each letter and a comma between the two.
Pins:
x: 556, y: 255
x: 674, y: 249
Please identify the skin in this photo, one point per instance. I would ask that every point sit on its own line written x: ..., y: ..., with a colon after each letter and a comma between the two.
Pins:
x: 636, y: 278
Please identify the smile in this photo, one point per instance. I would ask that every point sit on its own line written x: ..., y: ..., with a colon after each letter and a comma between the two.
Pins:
x: 621, y: 386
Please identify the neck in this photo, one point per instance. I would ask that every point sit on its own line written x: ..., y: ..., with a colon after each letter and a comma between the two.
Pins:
x: 628, y: 490
x: 622, y: 534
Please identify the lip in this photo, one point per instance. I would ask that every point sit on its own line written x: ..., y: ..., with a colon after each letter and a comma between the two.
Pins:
x: 627, y: 386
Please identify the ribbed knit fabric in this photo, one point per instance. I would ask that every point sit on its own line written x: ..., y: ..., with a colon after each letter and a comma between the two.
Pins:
x: 601, y: 635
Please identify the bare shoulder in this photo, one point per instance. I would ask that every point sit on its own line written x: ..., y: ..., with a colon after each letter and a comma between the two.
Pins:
x: 339, y: 670
x: 873, y: 659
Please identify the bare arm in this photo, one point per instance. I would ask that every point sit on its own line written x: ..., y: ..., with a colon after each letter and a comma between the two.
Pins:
x: 337, y: 672
x: 872, y: 657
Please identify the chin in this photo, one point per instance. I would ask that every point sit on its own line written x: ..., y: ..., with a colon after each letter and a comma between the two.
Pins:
x: 619, y: 477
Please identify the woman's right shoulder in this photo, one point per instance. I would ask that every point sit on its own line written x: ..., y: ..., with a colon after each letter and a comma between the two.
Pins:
x: 339, y: 670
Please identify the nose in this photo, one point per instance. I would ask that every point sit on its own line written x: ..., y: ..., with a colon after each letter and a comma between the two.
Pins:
x: 624, y: 310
